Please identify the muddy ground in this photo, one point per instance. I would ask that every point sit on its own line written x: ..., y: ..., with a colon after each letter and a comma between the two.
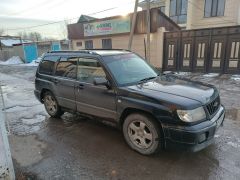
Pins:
x: 74, y: 147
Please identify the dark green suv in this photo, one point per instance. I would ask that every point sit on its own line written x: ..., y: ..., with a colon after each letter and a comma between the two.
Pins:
x: 152, y: 110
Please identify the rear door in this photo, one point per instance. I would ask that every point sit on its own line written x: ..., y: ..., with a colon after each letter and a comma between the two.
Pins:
x: 65, y: 79
x: 94, y: 100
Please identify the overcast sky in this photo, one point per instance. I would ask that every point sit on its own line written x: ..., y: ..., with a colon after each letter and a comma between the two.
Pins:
x: 20, y: 14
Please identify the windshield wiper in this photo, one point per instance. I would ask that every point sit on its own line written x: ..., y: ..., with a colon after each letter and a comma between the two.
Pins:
x: 146, y: 79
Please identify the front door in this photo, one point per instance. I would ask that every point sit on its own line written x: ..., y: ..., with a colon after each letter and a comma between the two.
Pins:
x: 91, y: 99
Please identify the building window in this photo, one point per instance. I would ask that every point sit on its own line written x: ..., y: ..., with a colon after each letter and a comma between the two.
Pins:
x: 107, y: 43
x: 89, y: 44
x: 214, y: 8
x: 178, y: 11
x: 162, y: 9
x: 78, y: 44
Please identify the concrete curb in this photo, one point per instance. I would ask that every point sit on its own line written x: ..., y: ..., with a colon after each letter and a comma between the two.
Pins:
x: 6, y: 165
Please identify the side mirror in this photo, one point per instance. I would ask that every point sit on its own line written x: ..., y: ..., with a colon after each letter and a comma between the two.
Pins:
x: 101, y: 81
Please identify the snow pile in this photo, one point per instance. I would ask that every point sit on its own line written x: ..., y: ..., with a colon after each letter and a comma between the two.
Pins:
x: 33, y: 63
x: 236, y: 77
x: 211, y: 75
x: 182, y: 73
x: 13, y: 60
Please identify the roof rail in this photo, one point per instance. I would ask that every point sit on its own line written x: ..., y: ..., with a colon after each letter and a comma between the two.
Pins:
x: 72, y: 51
x: 111, y: 49
x: 86, y: 50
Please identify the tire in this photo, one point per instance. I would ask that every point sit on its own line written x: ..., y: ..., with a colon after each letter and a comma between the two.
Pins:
x: 142, y: 133
x: 51, y: 105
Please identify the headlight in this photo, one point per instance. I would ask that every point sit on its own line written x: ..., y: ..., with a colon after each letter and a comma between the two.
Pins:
x: 192, y: 115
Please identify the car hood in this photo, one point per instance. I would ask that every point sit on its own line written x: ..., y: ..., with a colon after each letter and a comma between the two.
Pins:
x: 176, y: 86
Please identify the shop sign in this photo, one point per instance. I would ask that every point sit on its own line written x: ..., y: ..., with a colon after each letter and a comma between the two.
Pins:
x: 114, y: 26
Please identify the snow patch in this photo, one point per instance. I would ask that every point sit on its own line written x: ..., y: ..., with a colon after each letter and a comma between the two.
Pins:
x: 33, y: 63
x: 216, y: 136
x: 211, y: 75
x: 13, y: 60
x: 233, y: 144
x: 183, y: 73
x: 11, y: 42
x: 235, y: 77
x: 37, y: 119
x: 177, y: 73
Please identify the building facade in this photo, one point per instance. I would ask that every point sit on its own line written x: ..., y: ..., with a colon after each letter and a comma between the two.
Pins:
x: 198, y: 14
x: 113, y: 33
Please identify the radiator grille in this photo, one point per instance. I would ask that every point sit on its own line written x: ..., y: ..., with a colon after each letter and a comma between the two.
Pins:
x: 213, y: 106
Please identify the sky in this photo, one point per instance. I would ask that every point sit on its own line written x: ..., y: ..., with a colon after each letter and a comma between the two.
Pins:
x: 19, y: 15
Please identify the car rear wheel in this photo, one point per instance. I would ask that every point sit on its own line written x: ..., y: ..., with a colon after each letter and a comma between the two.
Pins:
x: 142, y: 133
x: 51, y: 105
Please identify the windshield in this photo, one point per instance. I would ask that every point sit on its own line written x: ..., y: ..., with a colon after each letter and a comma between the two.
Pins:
x: 129, y: 68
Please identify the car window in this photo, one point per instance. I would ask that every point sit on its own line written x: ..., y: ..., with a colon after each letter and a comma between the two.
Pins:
x: 88, y: 69
x: 47, y: 65
x: 67, y: 67
x: 128, y: 68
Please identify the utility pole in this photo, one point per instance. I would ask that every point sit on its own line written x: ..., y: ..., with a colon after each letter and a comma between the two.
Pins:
x: 133, y: 21
x: 148, y: 30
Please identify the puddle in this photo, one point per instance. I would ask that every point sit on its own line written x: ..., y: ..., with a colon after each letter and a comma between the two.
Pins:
x: 71, y: 119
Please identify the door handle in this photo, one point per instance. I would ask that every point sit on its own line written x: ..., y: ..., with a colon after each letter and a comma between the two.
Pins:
x: 55, y: 80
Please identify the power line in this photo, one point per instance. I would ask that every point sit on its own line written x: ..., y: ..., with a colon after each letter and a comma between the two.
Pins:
x: 29, y: 9
x: 55, y: 22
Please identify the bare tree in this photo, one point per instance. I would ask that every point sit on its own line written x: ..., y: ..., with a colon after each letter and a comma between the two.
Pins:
x: 2, y: 31
x: 33, y: 36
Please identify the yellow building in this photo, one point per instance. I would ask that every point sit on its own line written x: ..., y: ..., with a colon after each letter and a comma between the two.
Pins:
x: 113, y: 33
x: 196, y: 14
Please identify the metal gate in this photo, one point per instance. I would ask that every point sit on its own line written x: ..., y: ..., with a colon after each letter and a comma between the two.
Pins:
x: 203, y: 50
x: 30, y: 52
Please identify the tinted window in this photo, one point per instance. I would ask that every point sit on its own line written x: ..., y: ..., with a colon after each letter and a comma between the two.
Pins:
x: 89, y: 44
x: 67, y: 68
x: 47, y: 65
x: 128, y: 68
x: 107, y: 44
x: 88, y: 69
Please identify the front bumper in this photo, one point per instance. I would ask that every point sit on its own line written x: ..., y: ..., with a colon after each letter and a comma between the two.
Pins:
x: 193, y: 138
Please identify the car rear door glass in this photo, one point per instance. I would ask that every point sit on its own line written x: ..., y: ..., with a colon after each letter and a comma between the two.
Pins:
x: 47, y: 65
x: 67, y: 67
x: 88, y: 69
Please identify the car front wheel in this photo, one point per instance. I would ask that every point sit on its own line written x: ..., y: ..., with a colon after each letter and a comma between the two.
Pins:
x: 142, y: 133
x: 51, y: 105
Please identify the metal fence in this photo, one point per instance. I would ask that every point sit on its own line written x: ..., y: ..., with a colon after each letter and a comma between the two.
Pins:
x: 6, y: 53
x: 6, y: 165
x: 204, y: 50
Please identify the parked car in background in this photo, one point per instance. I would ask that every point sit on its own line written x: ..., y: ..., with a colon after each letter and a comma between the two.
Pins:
x: 153, y: 111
